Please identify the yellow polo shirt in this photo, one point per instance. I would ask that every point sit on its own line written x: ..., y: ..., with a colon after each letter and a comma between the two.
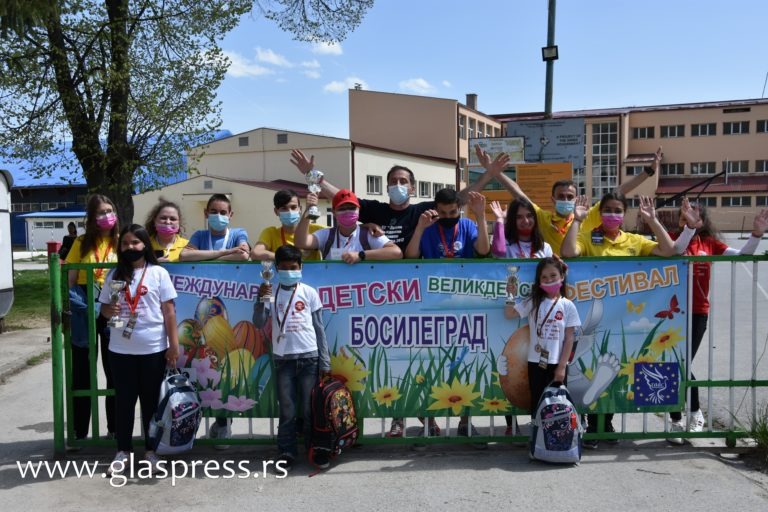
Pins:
x: 273, y: 237
x: 106, y: 250
x: 553, y: 227
x: 174, y: 251
x: 626, y: 244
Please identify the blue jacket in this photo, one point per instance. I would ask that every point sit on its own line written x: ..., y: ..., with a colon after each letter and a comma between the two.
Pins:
x: 78, y: 305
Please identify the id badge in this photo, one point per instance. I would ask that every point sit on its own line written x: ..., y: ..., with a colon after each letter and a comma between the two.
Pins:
x: 544, y: 359
x: 336, y: 253
x: 128, y: 331
x: 597, y: 237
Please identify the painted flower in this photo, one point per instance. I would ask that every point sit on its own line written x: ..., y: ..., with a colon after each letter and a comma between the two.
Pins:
x: 419, y: 379
x: 349, y: 371
x: 239, y: 403
x: 386, y: 396
x: 217, y: 404
x: 207, y: 396
x: 205, y: 373
x: 628, y: 368
x: 494, y: 405
x: 453, y: 396
x: 666, y: 340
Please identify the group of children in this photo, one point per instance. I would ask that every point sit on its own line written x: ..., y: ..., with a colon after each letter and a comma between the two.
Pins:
x: 134, y: 356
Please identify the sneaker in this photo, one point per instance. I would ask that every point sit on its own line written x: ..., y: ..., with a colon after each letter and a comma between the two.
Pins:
x: 119, y: 463
x: 396, y: 429
x: 321, y: 460
x: 676, y: 426
x: 153, y: 460
x: 590, y: 444
x: 217, y: 432
x: 283, y: 464
x: 697, y: 422
x: 462, y: 431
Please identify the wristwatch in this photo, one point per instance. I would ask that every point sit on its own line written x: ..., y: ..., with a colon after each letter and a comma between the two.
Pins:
x: 361, y: 255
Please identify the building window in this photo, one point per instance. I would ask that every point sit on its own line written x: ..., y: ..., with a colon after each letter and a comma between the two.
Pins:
x: 633, y: 202
x: 497, y: 132
x: 735, y: 127
x: 462, y: 126
x: 242, y: 141
x: 646, y: 132
x: 580, y: 178
x: 471, y: 128
x: 44, y: 207
x: 762, y: 126
x: 737, y: 166
x: 436, y: 187
x: 424, y: 187
x: 672, y: 169
x: 463, y: 169
x: 703, y: 168
x: 709, y: 202
x: 761, y: 165
x: 702, y: 130
x: 208, y: 185
x: 737, y: 201
x: 282, y: 138
x: 761, y: 201
x: 450, y: 186
x: 373, y: 185
x: 674, y: 130
x: 604, y: 159
x: 49, y: 224
x: 634, y: 170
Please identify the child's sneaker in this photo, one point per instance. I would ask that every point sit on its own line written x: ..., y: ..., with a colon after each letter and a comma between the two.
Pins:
x: 464, y: 431
x: 590, y: 444
x: 119, y: 463
x: 697, y: 422
x: 283, y: 464
x: 321, y: 460
x: 217, y: 432
x: 676, y: 426
x: 396, y: 429
x: 153, y: 460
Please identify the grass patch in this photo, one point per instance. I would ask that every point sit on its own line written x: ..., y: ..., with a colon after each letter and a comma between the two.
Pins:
x: 35, y: 360
x: 31, y: 300
x: 759, y: 432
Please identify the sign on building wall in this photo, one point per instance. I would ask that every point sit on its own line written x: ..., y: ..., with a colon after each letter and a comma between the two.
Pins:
x: 536, y: 180
x: 552, y: 140
x: 513, y: 146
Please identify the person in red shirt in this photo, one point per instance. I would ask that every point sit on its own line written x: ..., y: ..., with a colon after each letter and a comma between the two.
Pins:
x: 704, y: 242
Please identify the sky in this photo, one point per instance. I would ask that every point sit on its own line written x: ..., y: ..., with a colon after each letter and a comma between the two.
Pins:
x: 613, y: 53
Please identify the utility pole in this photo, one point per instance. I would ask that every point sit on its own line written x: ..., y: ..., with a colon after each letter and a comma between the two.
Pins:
x: 549, y: 55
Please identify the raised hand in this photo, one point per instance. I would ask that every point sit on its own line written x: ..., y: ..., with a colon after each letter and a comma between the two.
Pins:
x: 477, y: 204
x: 312, y: 200
x: 656, y: 164
x: 581, y: 209
x: 301, y: 162
x: 647, y: 210
x: 498, y: 211
x: 690, y: 214
x: 427, y: 218
x: 493, y: 166
x: 760, y: 224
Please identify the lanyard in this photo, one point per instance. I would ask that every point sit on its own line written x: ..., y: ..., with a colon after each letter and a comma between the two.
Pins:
x: 522, y: 252
x: 563, y: 230
x: 449, y: 251
x: 133, y: 302
x: 540, y: 326
x: 349, y: 240
x: 281, y: 324
x: 223, y: 245
x: 100, y: 271
x: 282, y: 235
x: 167, y: 248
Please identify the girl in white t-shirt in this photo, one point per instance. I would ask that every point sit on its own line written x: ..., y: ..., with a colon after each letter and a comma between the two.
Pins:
x: 147, y: 340
x: 552, y: 319
x: 516, y: 232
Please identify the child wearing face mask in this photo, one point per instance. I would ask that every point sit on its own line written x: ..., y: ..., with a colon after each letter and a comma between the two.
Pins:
x: 553, y: 320
x: 219, y: 241
x: 163, y: 224
x: 299, y: 350
x: 516, y: 232
x: 347, y: 241
x: 288, y: 210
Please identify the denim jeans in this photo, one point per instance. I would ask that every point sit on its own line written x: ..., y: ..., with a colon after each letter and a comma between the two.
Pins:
x: 295, y: 379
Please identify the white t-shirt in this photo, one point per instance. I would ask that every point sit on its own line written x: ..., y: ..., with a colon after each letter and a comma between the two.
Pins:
x: 297, y: 325
x: 552, y: 326
x: 522, y: 249
x: 344, y: 244
x: 149, y: 336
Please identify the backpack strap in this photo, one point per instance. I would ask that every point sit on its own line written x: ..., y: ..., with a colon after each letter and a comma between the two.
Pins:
x: 365, y: 240
x: 329, y: 242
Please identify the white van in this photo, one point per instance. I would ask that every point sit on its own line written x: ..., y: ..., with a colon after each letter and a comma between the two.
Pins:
x: 6, y: 254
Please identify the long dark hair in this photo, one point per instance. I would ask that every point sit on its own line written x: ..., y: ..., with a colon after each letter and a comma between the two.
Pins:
x: 510, y: 226
x: 537, y: 294
x: 707, y: 229
x: 92, y: 230
x: 124, y: 269
x: 149, y: 222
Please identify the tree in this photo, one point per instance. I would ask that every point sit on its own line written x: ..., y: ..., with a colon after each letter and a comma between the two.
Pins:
x: 131, y: 83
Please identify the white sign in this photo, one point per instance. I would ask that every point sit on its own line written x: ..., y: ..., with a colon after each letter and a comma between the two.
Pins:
x: 513, y: 146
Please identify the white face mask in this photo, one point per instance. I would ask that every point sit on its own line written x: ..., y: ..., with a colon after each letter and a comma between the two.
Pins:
x: 398, y: 194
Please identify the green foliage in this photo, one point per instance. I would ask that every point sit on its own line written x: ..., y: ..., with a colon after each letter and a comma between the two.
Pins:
x: 316, y: 20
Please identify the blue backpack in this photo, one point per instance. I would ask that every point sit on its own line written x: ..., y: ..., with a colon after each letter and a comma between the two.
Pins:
x: 557, y: 428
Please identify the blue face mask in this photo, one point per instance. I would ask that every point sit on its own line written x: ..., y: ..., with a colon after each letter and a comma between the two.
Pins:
x: 218, y: 222
x: 398, y: 194
x: 289, y: 218
x: 565, y: 208
x: 288, y: 277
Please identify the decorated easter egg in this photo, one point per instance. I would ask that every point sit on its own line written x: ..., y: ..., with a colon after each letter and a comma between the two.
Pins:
x: 247, y: 336
x: 515, y: 382
x: 209, y: 308
x: 219, y: 335
x: 190, y: 333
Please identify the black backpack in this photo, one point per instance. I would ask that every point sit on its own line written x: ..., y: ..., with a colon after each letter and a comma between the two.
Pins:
x: 364, y: 241
x: 334, y: 422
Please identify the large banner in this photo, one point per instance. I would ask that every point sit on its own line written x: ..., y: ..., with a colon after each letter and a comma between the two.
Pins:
x: 430, y: 337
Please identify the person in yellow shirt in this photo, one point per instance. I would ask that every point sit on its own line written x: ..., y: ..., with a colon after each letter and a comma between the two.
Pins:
x: 164, y: 227
x: 288, y: 210
x: 554, y: 225
x: 97, y: 245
